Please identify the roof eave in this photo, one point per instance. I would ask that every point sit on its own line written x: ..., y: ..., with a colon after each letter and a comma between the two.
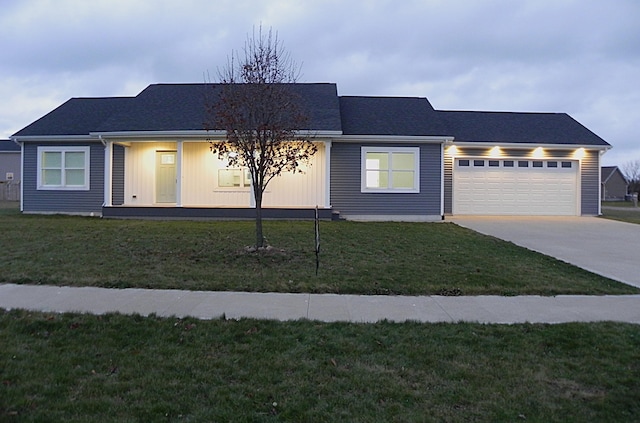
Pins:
x: 190, y: 134
x: 51, y: 138
x: 527, y: 145
x: 423, y: 139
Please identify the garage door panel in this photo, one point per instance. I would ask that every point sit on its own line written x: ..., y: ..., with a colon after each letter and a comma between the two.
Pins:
x: 515, y: 190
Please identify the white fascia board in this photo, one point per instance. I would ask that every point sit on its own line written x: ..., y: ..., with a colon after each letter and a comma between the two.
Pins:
x: 404, y: 139
x: 527, y: 146
x: 200, y: 134
x: 155, y: 135
x: 53, y: 138
x: 319, y: 134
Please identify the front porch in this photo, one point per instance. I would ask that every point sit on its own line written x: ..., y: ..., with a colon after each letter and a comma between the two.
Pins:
x: 183, y: 179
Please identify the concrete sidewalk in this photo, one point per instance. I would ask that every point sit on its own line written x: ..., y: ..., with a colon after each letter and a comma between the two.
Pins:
x: 322, y: 307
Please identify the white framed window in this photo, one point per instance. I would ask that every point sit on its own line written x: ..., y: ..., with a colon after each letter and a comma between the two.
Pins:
x: 234, y: 178
x: 63, y: 168
x: 390, y: 169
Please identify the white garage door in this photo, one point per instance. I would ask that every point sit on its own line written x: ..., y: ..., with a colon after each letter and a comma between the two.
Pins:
x: 515, y: 187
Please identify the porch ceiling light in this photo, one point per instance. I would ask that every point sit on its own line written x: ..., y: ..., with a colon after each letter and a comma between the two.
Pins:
x: 452, y: 150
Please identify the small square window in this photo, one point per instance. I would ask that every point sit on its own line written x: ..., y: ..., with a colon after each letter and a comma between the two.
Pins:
x: 537, y: 164
x: 494, y: 163
x: 566, y: 165
x: 523, y: 163
x: 552, y: 164
x: 507, y: 163
x: 478, y: 163
x: 463, y: 163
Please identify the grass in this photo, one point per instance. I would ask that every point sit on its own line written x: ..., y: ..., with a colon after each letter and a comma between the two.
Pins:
x: 624, y: 212
x: 360, y: 258
x: 81, y: 368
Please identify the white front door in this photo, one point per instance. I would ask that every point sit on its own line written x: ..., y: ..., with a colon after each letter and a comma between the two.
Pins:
x: 166, y: 178
x: 515, y: 187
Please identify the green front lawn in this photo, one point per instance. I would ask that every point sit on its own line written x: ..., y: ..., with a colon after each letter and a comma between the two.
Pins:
x: 361, y: 258
x: 80, y: 368
x: 629, y: 214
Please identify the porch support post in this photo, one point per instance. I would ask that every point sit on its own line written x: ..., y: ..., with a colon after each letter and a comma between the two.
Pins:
x: 179, y: 174
x: 108, y: 173
x: 327, y: 173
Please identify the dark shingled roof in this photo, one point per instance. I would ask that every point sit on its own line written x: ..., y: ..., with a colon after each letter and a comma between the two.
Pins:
x: 77, y: 116
x: 510, y: 127
x: 168, y: 107
x: 181, y: 107
x: 9, y: 146
x: 408, y: 116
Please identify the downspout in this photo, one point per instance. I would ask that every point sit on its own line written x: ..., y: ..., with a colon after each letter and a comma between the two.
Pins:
x: 442, y: 181
x: 21, y: 144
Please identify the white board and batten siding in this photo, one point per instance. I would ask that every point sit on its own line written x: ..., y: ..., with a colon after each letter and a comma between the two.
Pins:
x: 200, y: 179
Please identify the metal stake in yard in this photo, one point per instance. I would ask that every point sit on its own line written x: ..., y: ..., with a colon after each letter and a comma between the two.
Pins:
x: 317, y: 227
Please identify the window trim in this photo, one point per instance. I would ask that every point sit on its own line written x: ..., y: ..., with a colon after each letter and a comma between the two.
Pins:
x: 245, y: 179
x: 390, y: 151
x: 41, y: 186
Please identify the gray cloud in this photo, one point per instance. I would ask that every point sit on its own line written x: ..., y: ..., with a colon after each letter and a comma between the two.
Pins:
x: 580, y: 57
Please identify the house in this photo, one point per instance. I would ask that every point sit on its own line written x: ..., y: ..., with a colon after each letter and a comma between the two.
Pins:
x: 9, y: 170
x: 379, y: 158
x: 614, y: 184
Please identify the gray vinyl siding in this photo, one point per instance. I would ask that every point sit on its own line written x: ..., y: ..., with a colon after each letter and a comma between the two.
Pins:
x: 10, y: 163
x: 117, y: 181
x: 589, y: 171
x: 346, y: 195
x: 62, y: 201
x: 590, y: 183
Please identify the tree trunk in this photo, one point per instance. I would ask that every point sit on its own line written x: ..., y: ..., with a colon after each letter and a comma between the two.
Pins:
x: 259, y: 236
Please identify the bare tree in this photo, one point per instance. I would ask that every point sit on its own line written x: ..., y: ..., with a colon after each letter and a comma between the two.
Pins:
x: 631, y: 170
x: 262, y: 115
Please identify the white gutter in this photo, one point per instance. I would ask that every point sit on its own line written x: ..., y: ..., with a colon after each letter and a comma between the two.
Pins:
x: 53, y: 138
x: 155, y: 135
x: 526, y: 146
x: 395, y: 138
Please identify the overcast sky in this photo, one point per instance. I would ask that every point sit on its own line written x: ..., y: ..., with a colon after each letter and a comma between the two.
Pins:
x: 581, y: 57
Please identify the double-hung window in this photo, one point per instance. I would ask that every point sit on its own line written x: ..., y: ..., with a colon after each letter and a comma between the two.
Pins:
x: 63, y: 168
x: 390, y: 169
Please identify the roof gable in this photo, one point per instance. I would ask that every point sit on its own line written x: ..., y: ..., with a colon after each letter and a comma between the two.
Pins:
x: 400, y: 116
x: 607, y: 172
x: 182, y: 107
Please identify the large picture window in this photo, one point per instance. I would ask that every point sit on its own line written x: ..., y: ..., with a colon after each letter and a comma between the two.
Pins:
x: 63, y: 168
x: 391, y: 169
x: 234, y: 178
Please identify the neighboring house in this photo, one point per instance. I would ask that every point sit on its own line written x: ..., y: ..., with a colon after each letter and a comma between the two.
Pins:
x: 9, y: 170
x: 379, y: 158
x: 614, y: 184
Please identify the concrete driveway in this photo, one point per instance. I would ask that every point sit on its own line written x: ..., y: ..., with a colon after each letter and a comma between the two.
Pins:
x: 606, y: 247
